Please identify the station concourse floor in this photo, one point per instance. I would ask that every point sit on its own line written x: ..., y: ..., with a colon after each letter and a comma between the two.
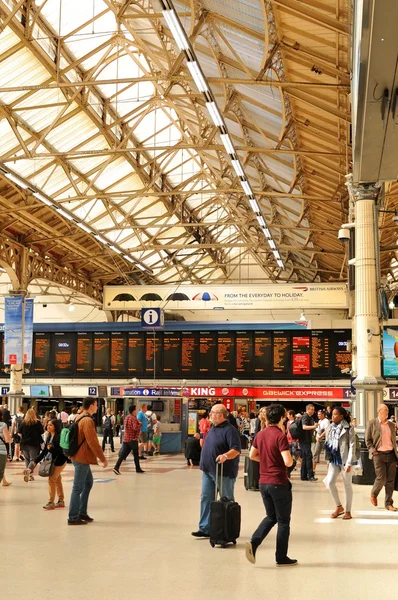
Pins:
x: 140, y: 546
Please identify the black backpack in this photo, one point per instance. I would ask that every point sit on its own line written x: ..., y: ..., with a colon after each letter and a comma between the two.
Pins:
x: 296, y: 430
x: 69, y: 438
x: 108, y: 423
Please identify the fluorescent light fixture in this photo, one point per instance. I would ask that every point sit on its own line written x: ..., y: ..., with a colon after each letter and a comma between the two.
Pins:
x: 261, y: 221
x: 215, y: 114
x: 101, y: 239
x: 197, y: 76
x: 84, y: 227
x: 71, y: 307
x: 303, y: 317
x: 226, y: 140
x: 246, y: 188
x: 276, y: 254
x: 18, y: 181
x: 42, y: 198
x: 176, y: 29
x: 116, y: 250
x: 238, y: 168
x: 267, y: 232
x: 280, y: 264
x: 140, y: 267
x: 272, y: 244
x: 65, y: 214
x: 254, y: 206
x: 127, y: 257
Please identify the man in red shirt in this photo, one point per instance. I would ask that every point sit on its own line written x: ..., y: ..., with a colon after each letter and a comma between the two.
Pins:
x: 271, y: 449
x: 132, y: 429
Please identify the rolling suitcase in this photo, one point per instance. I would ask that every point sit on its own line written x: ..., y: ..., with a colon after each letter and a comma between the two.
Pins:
x: 251, y: 474
x: 224, y: 517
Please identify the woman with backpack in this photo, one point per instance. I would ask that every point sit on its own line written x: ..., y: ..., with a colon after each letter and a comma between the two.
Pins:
x: 31, y: 432
x: 340, y: 452
x: 53, y: 449
x: 108, y: 422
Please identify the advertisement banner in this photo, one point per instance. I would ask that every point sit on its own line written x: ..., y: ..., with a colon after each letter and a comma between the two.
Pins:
x: 28, y: 331
x: 294, y: 393
x: 197, y: 297
x: 13, y: 330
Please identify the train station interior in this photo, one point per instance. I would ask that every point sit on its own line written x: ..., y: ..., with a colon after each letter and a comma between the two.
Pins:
x: 198, y: 206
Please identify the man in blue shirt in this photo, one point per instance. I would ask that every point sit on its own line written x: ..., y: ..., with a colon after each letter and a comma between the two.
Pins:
x: 142, y: 446
x: 222, y: 445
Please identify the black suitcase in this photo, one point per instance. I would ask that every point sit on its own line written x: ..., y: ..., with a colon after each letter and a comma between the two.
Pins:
x: 225, y: 517
x: 251, y: 474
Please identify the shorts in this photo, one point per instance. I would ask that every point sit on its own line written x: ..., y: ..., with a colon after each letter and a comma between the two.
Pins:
x: 143, y: 437
x: 150, y: 435
x: 156, y: 439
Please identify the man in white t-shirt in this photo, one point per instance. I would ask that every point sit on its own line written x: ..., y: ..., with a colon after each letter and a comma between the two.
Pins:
x: 323, y: 424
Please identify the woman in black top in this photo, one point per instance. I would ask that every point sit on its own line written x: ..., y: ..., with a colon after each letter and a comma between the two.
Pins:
x: 59, y: 459
x: 30, y: 431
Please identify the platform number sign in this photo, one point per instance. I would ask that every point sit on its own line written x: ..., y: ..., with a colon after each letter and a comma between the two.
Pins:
x: 4, y: 390
x: 92, y: 391
x: 152, y: 318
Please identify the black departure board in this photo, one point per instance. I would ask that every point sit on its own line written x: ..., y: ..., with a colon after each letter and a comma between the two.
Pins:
x: 320, y: 353
x: 136, y: 352
x: 153, y: 353
x: 189, y: 352
x: 281, y: 353
x: 118, y: 352
x: 226, y: 352
x: 244, y: 352
x: 84, y: 353
x: 64, y: 354
x: 341, y: 355
x: 171, y: 353
x: 207, y: 351
x: 42, y: 352
x: 101, y: 352
x: 263, y: 353
x: 301, y: 356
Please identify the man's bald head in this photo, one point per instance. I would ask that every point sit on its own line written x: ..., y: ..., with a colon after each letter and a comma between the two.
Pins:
x: 382, y: 412
x: 218, y: 414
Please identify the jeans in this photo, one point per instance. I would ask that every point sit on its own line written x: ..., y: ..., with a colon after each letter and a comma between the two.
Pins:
x: 108, y: 435
x: 385, y: 465
x: 82, y: 484
x: 330, y: 483
x: 307, y: 471
x: 208, y: 495
x: 125, y: 450
x: 278, y: 506
x: 30, y: 453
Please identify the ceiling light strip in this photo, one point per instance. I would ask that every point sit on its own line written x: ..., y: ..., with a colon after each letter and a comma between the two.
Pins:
x: 178, y: 32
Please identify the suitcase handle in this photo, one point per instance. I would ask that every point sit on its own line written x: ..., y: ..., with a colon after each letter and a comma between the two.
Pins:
x: 221, y: 475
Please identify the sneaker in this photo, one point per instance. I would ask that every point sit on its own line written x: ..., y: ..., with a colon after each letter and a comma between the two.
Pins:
x: 26, y: 474
x: 21, y: 458
x: 86, y: 518
x: 49, y: 506
x: 60, y: 504
x: 116, y: 471
x: 200, y: 534
x: 142, y: 457
x: 287, y: 562
x: 78, y: 522
x: 250, y: 552
x: 31, y: 478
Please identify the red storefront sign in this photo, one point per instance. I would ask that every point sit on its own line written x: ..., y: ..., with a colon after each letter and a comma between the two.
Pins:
x: 211, y: 391
x: 229, y: 403
x: 272, y: 393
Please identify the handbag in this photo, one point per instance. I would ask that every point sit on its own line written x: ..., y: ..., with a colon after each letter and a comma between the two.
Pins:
x: 46, y: 468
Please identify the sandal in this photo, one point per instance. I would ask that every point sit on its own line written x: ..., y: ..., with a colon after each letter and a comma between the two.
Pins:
x: 347, y: 516
x: 339, y: 511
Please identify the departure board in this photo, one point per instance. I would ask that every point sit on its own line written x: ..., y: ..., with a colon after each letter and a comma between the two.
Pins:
x: 101, y: 353
x: 136, y: 350
x: 207, y: 351
x: 64, y: 354
x: 171, y: 352
x: 84, y: 353
x: 301, y: 358
x: 189, y: 352
x: 342, y: 357
x: 226, y: 352
x: 42, y: 353
x: 244, y: 352
x: 118, y: 352
x: 262, y: 353
x: 153, y: 353
x: 281, y: 353
x: 320, y: 353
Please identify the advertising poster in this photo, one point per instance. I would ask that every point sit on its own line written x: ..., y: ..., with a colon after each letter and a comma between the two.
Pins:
x: 13, y: 330
x: 390, y: 352
x: 192, y: 422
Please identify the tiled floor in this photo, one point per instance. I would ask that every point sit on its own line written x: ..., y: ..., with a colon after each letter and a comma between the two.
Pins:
x: 140, y: 545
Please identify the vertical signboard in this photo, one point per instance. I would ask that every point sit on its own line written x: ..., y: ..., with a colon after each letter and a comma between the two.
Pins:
x: 13, y: 327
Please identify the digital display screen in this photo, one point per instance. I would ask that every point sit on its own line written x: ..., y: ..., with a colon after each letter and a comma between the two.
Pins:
x: 320, y: 353
x: 390, y: 352
x: 136, y: 349
x: 226, y: 352
x: 301, y: 363
x: 342, y: 357
x: 153, y: 353
x: 118, y: 352
x: 262, y: 353
x: 64, y: 354
x: 56, y: 391
x: 189, y: 352
x: 207, y: 351
x: 84, y: 352
x: 281, y: 354
x: 39, y: 391
x: 101, y: 353
x: 42, y: 352
x: 171, y: 353
x: 244, y: 352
